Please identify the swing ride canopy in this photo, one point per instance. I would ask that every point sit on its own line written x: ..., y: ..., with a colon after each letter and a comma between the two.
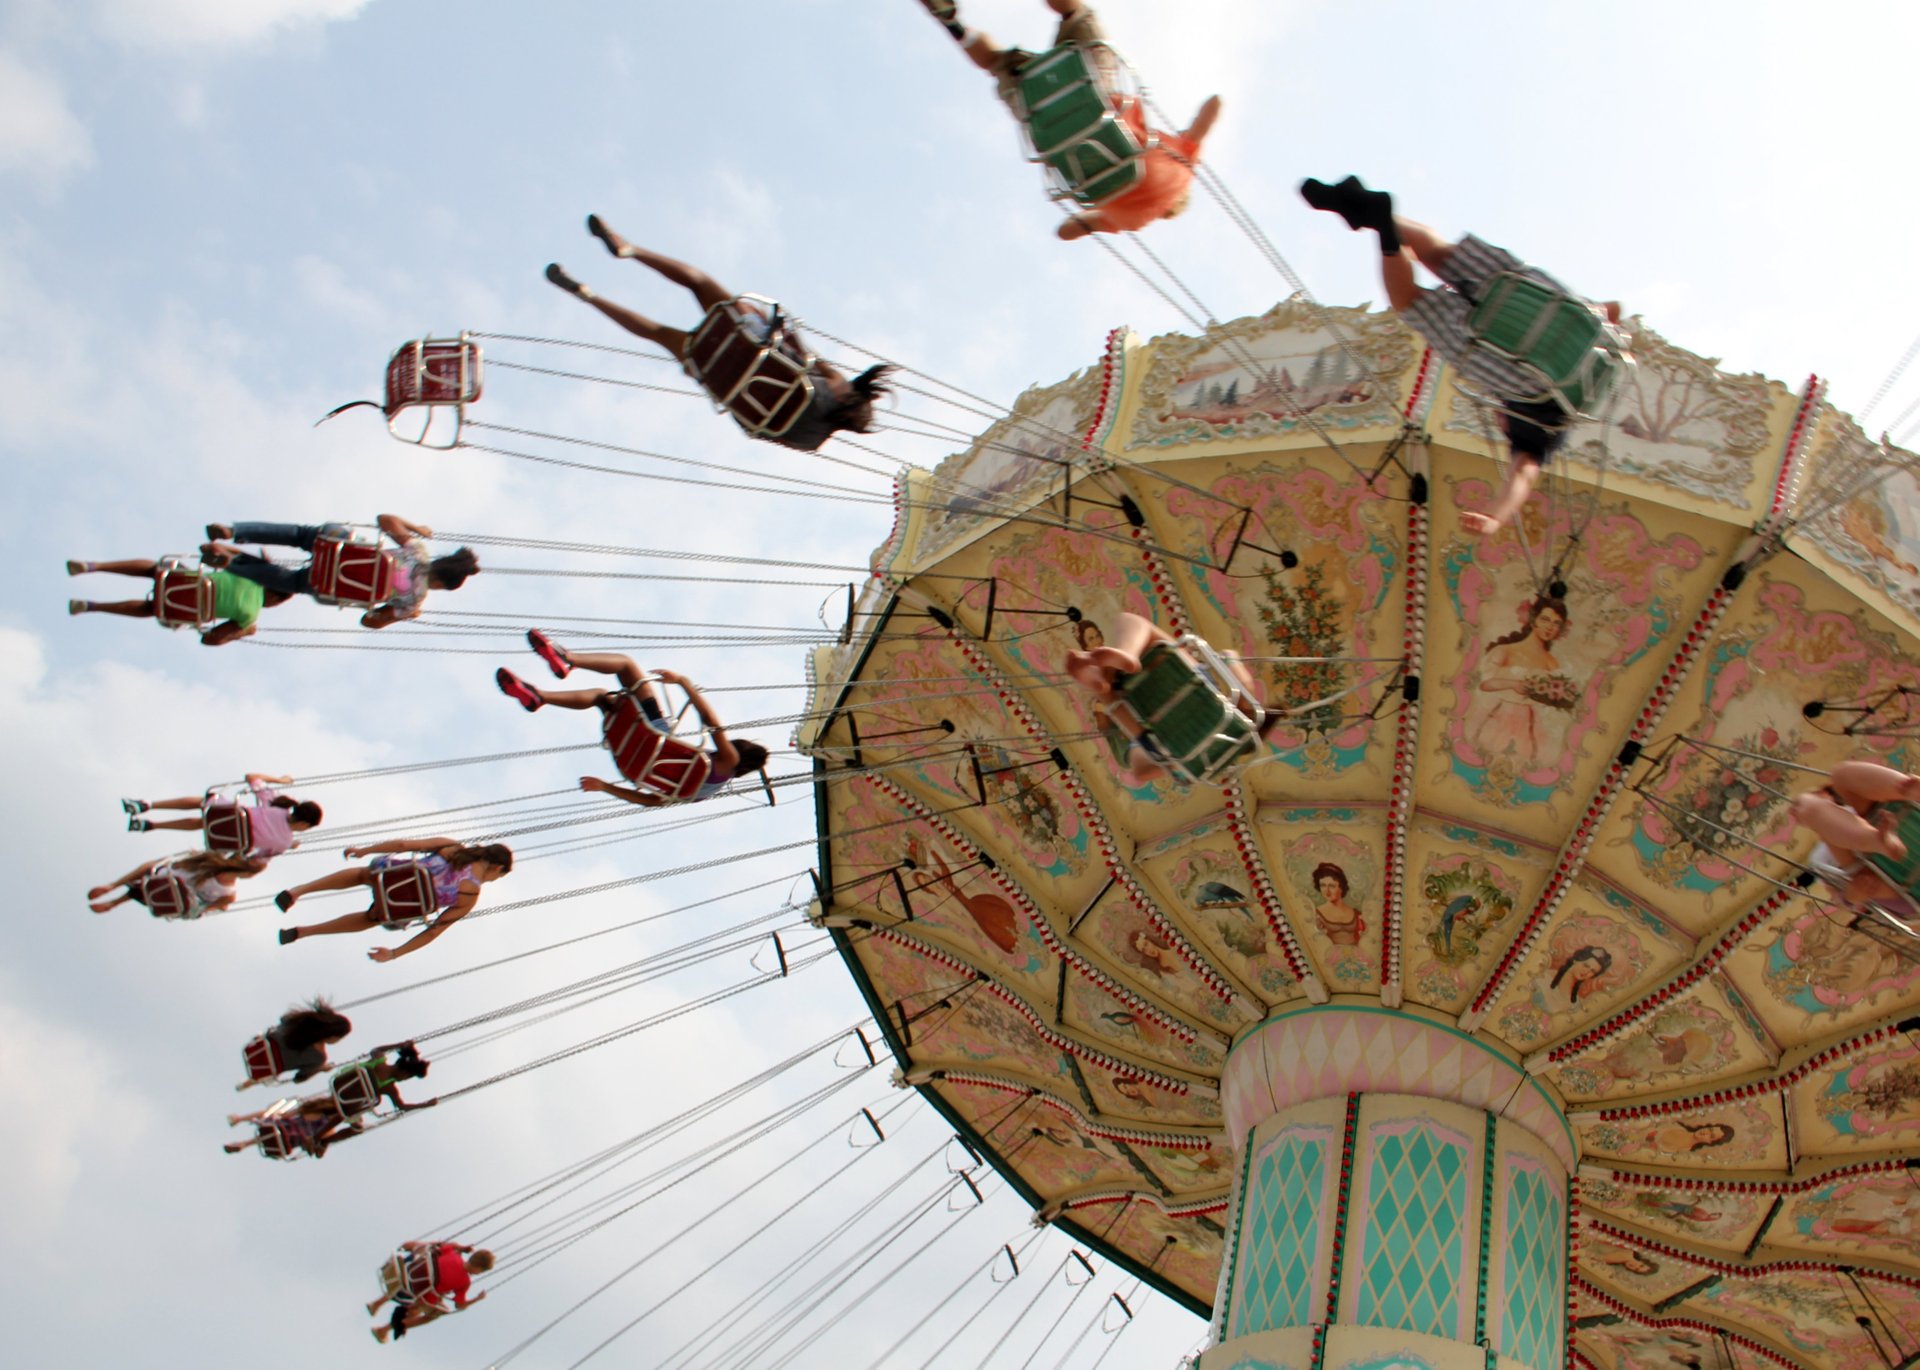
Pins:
x: 1508, y: 827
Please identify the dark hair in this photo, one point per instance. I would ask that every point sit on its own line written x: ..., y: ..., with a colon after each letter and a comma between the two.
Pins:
x: 753, y: 757
x: 312, y: 1024
x: 1597, y: 954
x: 1725, y: 1130
x: 493, y: 853
x: 306, y: 811
x: 1534, y: 610
x: 204, y: 863
x: 856, y: 411
x: 1082, y: 628
x: 1326, y: 868
x: 451, y: 571
x: 408, y: 1063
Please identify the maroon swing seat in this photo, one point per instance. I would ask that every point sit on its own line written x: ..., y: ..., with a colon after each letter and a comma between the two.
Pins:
x: 227, y: 826
x: 430, y: 374
x: 350, y: 569
x: 168, y: 895
x: 354, y: 1090
x: 273, y: 1141
x: 182, y: 595
x: 262, y: 1061
x: 751, y: 366
x: 408, y: 1275
x: 404, y: 894
x: 669, y: 766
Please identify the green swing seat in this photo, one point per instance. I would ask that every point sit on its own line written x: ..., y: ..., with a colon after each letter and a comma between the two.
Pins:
x: 1903, y: 875
x: 1186, y: 698
x: 1574, y: 352
x: 1063, y: 102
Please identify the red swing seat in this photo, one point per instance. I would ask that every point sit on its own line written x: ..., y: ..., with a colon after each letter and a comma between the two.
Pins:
x: 430, y: 374
x: 668, y: 765
x: 262, y: 1060
x: 182, y: 595
x: 227, y: 826
x: 168, y: 895
x: 273, y: 1141
x: 350, y: 568
x: 753, y: 367
x: 355, y: 1091
x: 404, y: 894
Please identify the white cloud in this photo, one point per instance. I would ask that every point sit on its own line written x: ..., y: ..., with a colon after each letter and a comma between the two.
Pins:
x: 39, y: 134
x: 216, y: 24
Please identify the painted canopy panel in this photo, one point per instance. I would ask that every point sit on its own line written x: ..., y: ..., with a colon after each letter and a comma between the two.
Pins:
x: 1534, y: 785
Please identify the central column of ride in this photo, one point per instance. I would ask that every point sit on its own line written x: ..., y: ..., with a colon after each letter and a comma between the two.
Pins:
x: 1402, y: 1200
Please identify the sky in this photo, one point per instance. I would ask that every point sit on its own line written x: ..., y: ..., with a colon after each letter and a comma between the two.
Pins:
x: 218, y: 217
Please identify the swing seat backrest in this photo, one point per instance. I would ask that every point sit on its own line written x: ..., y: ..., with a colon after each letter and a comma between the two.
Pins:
x: 764, y: 382
x: 348, y: 571
x: 1066, y: 103
x: 262, y: 1060
x: 667, y: 765
x: 275, y: 1142
x: 182, y: 595
x: 433, y: 371
x: 404, y: 894
x: 168, y: 895
x: 1189, y: 711
x: 228, y: 827
x: 355, y: 1091
x: 1552, y: 334
x: 408, y: 1275
x: 1904, y: 874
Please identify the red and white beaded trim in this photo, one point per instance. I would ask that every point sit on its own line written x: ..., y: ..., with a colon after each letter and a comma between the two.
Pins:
x: 1613, y: 1305
x: 1192, y: 1208
x: 1786, y: 486
x: 1057, y: 1040
x: 1756, y: 1090
x: 1406, y: 737
x: 1133, y: 1136
x: 1701, y: 1184
x: 1240, y: 826
x: 1179, y: 1027
x: 1574, y: 854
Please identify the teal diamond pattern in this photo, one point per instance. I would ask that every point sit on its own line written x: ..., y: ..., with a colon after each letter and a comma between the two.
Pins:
x: 1416, y: 1199
x: 1536, y: 1243
x: 1282, y: 1225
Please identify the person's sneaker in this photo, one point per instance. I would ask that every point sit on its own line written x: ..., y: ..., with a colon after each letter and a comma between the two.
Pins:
x: 612, y: 241
x: 550, y: 652
x: 133, y: 805
x: 517, y: 690
x: 558, y: 275
x: 138, y: 825
x: 219, y: 532
x: 946, y: 11
x: 284, y: 901
x: 79, y: 606
x: 288, y: 936
x: 79, y: 568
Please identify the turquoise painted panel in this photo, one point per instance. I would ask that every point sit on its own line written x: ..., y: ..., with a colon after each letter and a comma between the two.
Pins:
x: 1535, y: 1284
x: 1416, y: 1236
x: 1281, y: 1218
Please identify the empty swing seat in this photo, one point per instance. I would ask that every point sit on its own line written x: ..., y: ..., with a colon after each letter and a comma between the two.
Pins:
x: 1576, y: 355
x: 182, y: 595
x: 1065, y: 101
x: 355, y: 1091
x: 348, y: 568
x: 404, y: 894
x: 750, y: 366
x: 1185, y: 697
x: 227, y: 826
x: 670, y: 766
x: 262, y: 1060
x: 168, y: 895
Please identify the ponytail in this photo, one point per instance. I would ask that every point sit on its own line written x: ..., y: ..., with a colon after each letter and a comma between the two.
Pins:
x: 856, y: 412
x: 451, y: 571
x: 493, y: 853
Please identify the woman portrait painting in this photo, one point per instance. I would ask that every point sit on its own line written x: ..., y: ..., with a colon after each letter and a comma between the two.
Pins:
x: 1572, y: 977
x: 1530, y: 686
x: 1338, y: 919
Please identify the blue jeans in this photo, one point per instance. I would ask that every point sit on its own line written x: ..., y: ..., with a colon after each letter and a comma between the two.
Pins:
x: 268, y: 575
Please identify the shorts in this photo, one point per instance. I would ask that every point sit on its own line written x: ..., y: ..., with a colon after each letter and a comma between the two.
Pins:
x: 1535, y: 430
x: 649, y: 709
x: 1079, y: 27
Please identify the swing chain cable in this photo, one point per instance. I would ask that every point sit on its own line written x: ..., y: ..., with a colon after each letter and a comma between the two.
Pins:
x: 885, y: 1358
x: 496, y: 1209
x: 1030, y: 1246
x: 622, y: 1274
x: 662, y: 456
x: 1892, y: 378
